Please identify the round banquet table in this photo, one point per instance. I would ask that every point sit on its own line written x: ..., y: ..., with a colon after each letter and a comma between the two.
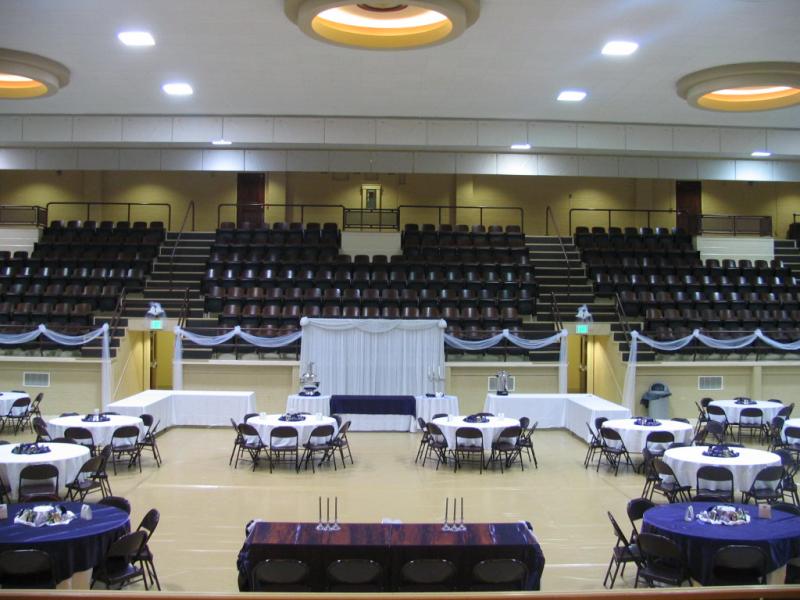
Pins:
x: 77, y: 546
x: 491, y: 430
x: 687, y: 460
x: 7, y: 399
x: 790, y: 423
x: 68, y: 458
x: 266, y: 423
x: 634, y: 436
x: 732, y: 410
x: 102, y: 431
x: 779, y: 536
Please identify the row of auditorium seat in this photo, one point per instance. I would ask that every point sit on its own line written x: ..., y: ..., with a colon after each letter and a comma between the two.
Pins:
x: 634, y: 303
x: 102, y: 297
x: 646, y: 265
x: 106, y: 233
x: 27, y: 313
x: 74, y: 257
x: 279, y: 234
x: 251, y: 315
x: 738, y: 320
x: 676, y: 235
x: 461, y: 235
x: 522, y: 300
x: 132, y: 278
x: 606, y: 285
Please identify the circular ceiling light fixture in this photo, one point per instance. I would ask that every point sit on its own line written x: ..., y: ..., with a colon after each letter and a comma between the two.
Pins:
x: 24, y: 75
x: 743, y: 87
x: 383, y: 24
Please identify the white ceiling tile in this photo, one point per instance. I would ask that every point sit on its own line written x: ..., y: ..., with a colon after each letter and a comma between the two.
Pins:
x: 599, y: 136
x: 741, y: 140
x: 557, y: 164
x: 552, y: 135
x: 265, y: 160
x: 182, y: 160
x: 648, y: 138
x: 754, y: 170
x: 57, y: 158
x: 98, y: 159
x: 223, y: 160
x: 47, y: 129
x: 17, y: 158
x: 392, y: 162
x: 147, y: 129
x: 638, y: 167
x: 196, y: 129
x: 299, y: 130
x: 502, y: 133
x: 722, y: 170
x: 248, y: 130
x: 343, y: 161
x: 401, y: 132
x: 307, y: 160
x: 350, y: 131
x: 139, y: 159
x: 677, y: 168
x: 452, y: 133
x: 434, y: 162
x: 96, y: 129
x: 695, y: 139
x: 10, y: 129
x: 783, y: 141
x: 517, y: 164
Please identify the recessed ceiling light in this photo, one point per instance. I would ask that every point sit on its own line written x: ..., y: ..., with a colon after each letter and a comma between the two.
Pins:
x: 571, y: 95
x: 177, y: 88
x: 24, y: 75
x: 520, y: 146
x: 221, y: 142
x: 620, y: 48
x: 761, y: 154
x: 383, y: 24
x: 136, y: 38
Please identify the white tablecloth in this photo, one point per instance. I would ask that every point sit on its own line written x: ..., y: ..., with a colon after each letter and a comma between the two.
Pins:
x: 427, y: 407
x: 634, y: 436
x: 732, y: 410
x: 7, y: 399
x: 266, y: 423
x: 68, y: 458
x: 572, y: 411
x: 188, y: 407
x: 310, y: 404
x: 101, y: 431
x: 491, y: 430
x: 685, y: 462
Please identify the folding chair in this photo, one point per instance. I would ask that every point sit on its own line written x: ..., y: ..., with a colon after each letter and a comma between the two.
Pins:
x: 149, y: 438
x: 125, y: 442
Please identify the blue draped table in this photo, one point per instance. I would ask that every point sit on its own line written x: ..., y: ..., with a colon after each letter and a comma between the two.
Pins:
x: 392, y: 545
x: 779, y: 536
x: 374, y: 405
x: 77, y: 546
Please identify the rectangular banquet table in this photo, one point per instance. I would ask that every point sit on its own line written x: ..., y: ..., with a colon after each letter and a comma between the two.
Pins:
x: 375, y: 413
x: 571, y: 411
x: 392, y: 545
x: 188, y: 407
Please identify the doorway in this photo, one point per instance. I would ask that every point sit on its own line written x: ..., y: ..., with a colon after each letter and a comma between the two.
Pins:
x: 689, y: 203
x: 250, y: 198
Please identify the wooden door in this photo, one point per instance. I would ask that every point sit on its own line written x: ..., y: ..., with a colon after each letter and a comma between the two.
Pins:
x: 250, y: 198
x: 689, y: 203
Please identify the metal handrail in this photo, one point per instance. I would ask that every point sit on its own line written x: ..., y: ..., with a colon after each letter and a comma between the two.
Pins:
x: 184, y: 313
x: 39, y: 216
x: 440, y: 207
x: 549, y: 216
x: 622, y: 317
x: 556, y: 312
x: 647, y: 211
x: 119, y: 310
x: 761, y: 220
x: 265, y: 206
x: 177, y: 241
x: 89, y: 206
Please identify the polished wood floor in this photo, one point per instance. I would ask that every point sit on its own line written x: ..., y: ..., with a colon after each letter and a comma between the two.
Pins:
x: 205, y: 504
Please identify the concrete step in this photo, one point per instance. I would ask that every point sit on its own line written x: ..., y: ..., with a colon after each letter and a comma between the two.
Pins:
x: 547, y: 239
x: 195, y: 236
x: 185, y: 252
x: 159, y: 294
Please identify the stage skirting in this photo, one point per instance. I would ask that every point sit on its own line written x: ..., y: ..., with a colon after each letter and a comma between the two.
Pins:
x: 188, y: 407
x: 571, y: 411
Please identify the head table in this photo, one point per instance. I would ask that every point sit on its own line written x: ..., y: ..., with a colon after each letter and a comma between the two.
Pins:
x: 68, y: 458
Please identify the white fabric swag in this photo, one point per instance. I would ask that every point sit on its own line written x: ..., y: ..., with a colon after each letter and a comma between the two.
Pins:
x: 372, y: 356
x: 560, y: 338
x: 216, y: 340
x: 629, y: 388
x: 72, y: 340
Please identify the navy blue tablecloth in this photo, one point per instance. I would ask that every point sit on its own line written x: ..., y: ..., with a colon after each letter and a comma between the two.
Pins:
x: 374, y: 405
x: 779, y: 536
x: 77, y: 546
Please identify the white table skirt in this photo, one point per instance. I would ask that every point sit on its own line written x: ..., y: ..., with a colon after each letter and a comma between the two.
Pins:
x: 188, y: 407
x: 7, y: 399
x: 687, y: 460
x: 68, y: 458
x: 634, y: 436
x: 427, y: 407
x: 361, y: 422
x: 101, y: 431
x: 491, y: 430
x: 732, y: 410
x: 311, y: 404
x: 266, y: 423
x: 572, y: 411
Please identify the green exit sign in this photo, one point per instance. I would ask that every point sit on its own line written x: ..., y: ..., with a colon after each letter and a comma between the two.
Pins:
x: 156, y: 324
x: 582, y: 329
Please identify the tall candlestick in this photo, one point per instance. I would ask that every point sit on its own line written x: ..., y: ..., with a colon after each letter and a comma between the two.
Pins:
x: 336, y: 509
x: 462, y: 510
x: 328, y: 511
x: 446, y: 509
x: 320, y: 509
x: 455, y: 501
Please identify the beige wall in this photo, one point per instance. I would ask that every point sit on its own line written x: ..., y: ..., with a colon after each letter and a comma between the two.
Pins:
x: 533, y: 194
x: 469, y: 381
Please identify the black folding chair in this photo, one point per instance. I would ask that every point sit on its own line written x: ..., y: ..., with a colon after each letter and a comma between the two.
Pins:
x: 118, y: 567
x: 507, y: 448
x: 125, y: 442
x: 149, y: 438
x: 284, y: 443
x: 26, y: 569
x: 468, y: 447
x: 613, y: 450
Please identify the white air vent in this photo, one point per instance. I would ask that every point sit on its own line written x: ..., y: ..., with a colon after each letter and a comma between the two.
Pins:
x: 493, y: 383
x: 709, y: 383
x: 36, y: 379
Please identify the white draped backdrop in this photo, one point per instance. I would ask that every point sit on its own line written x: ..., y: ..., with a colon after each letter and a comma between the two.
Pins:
x: 372, y: 356
x: 629, y: 389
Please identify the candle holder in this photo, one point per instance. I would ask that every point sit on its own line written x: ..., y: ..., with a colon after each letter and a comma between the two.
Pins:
x: 457, y: 524
x: 436, y: 376
x: 327, y: 524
